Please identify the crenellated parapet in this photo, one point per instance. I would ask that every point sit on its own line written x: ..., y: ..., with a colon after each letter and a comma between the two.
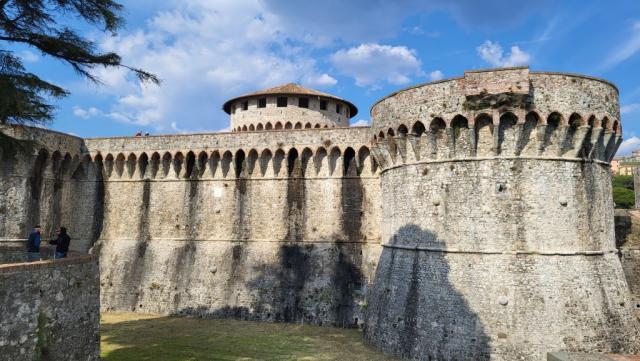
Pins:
x: 311, y: 154
x: 502, y: 113
x: 237, y: 163
x: 506, y: 133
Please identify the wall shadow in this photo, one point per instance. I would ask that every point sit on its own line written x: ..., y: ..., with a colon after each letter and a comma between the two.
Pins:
x: 317, y: 283
x: 413, y: 309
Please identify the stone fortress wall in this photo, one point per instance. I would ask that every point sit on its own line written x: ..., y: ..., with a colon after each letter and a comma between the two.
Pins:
x: 473, y: 219
x: 513, y: 253
x: 627, y: 223
x: 51, y: 308
x: 277, y: 226
x: 272, y: 225
x: 47, y: 183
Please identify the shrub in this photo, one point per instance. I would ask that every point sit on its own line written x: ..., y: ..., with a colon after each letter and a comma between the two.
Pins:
x: 623, y: 197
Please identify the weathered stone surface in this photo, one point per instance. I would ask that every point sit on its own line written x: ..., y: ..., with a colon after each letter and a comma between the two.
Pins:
x: 53, y: 186
x: 627, y: 223
x: 50, y: 309
x: 287, y: 219
x: 497, y: 231
x: 290, y: 117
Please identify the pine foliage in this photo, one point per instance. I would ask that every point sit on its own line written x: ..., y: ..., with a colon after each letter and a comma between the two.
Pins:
x: 24, y: 97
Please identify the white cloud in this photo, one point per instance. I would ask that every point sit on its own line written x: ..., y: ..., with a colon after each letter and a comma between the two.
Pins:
x: 205, y: 53
x: 436, y: 75
x: 86, y: 113
x: 319, y: 81
x: 493, y: 54
x: 629, y: 48
x: 29, y: 56
x: 628, y: 146
x: 372, y: 64
x: 630, y: 108
x: 360, y: 123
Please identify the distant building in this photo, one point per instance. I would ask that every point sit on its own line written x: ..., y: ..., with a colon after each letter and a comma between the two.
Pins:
x: 625, y: 165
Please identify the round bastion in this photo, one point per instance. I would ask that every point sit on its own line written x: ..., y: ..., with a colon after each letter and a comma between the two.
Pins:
x: 497, y: 227
x: 288, y: 106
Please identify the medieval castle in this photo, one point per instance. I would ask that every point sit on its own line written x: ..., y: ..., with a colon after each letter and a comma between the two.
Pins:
x: 472, y: 220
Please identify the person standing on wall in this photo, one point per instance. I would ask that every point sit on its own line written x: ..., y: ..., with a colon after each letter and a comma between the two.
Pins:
x: 62, y: 243
x: 33, y: 245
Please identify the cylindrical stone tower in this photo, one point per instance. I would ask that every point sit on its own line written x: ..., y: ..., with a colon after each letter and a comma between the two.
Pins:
x: 497, y: 219
x: 288, y: 106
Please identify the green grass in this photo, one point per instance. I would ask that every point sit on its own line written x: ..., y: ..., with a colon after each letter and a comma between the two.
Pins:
x: 130, y: 336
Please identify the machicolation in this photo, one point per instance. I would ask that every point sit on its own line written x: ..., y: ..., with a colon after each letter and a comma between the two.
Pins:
x: 472, y: 220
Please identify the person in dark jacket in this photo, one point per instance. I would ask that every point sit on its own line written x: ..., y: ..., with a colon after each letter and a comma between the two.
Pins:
x: 61, y: 242
x: 33, y: 245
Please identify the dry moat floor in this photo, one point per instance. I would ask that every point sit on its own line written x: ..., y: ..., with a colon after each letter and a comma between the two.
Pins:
x: 131, y: 336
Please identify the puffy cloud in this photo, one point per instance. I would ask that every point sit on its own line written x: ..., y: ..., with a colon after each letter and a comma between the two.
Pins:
x: 370, y: 64
x: 628, y: 145
x: 436, y: 75
x: 493, y: 54
x: 319, y: 81
x: 205, y: 53
x: 86, y: 113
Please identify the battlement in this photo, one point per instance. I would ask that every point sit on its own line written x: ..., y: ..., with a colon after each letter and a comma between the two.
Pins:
x: 233, y: 163
x: 253, y: 155
x: 499, y: 135
x: 499, y: 113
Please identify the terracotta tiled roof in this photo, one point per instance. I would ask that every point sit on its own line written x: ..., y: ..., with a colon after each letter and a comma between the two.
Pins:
x: 289, y: 89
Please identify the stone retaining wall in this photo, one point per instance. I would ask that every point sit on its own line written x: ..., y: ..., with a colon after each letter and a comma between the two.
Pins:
x: 51, y: 310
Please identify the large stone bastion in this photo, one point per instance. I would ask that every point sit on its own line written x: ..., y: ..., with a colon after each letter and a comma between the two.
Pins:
x: 497, y: 219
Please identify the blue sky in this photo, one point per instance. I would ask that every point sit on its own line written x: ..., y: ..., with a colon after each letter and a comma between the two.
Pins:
x: 207, y: 51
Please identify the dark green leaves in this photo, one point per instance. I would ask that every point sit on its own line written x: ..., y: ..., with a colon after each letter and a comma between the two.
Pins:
x: 37, y: 23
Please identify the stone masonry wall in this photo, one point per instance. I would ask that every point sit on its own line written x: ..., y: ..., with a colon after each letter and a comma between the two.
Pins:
x: 290, y: 117
x: 497, y: 220
x: 279, y: 226
x: 48, y: 182
x: 627, y: 223
x: 51, y: 310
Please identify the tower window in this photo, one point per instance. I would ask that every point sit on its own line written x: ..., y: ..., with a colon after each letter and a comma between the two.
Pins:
x: 245, y: 105
x: 303, y: 102
x: 338, y: 108
x: 323, y: 105
x: 282, y: 102
x: 262, y: 103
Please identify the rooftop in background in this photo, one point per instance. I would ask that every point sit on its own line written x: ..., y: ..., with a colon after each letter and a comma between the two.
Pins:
x: 290, y: 89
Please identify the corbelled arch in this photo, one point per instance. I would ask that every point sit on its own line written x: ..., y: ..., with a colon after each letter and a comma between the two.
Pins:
x: 483, y: 125
x: 143, y: 165
x: 266, y: 157
x: 252, y: 160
